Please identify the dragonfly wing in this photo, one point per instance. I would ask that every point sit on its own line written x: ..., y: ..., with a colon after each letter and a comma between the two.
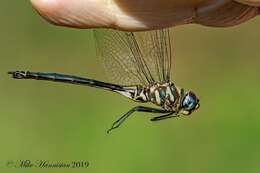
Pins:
x: 157, y: 51
x: 140, y: 58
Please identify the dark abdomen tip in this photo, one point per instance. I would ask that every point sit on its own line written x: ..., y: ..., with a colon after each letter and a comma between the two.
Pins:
x: 18, y: 74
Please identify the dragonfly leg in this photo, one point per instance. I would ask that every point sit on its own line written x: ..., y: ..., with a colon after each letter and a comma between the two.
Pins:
x: 163, y: 117
x: 118, y: 122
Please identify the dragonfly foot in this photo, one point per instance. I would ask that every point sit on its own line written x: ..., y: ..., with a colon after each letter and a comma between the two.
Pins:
x: 114, y: 126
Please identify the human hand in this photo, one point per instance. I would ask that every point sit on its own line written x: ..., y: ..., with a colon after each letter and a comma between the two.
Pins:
x: 135, y: 15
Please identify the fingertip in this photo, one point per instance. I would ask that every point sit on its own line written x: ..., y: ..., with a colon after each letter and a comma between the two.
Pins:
x: 45, y: 6
x: 85, y: 14
x: 53, y: 11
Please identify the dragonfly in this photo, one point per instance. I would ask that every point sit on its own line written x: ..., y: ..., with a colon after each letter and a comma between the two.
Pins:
x: 139, y: 66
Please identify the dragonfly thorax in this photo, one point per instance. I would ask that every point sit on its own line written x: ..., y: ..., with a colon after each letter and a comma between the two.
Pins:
x: 166, y: 95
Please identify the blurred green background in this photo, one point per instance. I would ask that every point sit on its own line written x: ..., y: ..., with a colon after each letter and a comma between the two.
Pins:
x: 59, y: 122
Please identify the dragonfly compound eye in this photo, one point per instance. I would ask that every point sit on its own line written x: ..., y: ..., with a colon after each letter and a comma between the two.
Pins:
x: 190, y: 102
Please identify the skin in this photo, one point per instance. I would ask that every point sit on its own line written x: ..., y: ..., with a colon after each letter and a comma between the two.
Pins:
x: 255, y: 3
x: 135, y: 15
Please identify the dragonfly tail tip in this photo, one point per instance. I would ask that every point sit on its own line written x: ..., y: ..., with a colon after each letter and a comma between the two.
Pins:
x: 17, y: 74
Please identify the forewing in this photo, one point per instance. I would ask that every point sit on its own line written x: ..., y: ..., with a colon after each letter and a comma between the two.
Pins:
x: 157, y: 51
x: 140, y: 58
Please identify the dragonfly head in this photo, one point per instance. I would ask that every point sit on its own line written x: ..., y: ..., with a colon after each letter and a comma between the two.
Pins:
x: 189, y: 103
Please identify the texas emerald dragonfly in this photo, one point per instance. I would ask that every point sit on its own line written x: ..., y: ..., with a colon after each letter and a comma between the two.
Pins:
x: 139, y: 64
